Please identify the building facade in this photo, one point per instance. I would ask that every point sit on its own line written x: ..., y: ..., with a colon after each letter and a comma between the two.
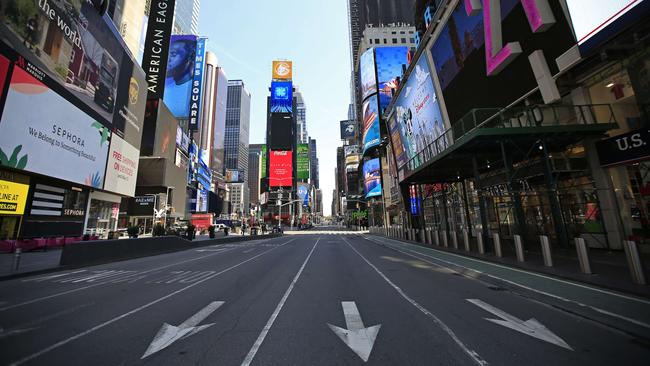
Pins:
x: 239, y: 199
x: 237, y: 127
x: 313, y: 164
x: 254, y: 173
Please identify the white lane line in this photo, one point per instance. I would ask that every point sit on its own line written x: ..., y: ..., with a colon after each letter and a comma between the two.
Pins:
x: 471, y: 353
x: 136, y: 310
x: 260, y: 339
x: 28, y: 302
x: 596, y: 309
x: 640, y: 300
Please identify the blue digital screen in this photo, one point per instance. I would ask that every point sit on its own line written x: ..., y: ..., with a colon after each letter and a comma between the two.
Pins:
x: 281, y: 97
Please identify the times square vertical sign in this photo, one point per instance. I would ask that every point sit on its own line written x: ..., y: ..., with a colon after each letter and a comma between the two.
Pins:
x: 197, y: 85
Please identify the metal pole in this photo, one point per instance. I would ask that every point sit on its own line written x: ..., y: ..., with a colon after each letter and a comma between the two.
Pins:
x: 445, y: 243
x: 466, y: 239
x: 482, y: 205
x: 556, y: 209
x: 479, y: 241
x: 583, y: 255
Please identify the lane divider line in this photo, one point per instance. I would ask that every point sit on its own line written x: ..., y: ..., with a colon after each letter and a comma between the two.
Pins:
x: 469, y: 352
x: 260, y: 339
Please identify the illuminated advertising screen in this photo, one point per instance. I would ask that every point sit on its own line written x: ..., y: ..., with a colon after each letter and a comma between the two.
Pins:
x: 281, y: 97
x: 372, y: 178
x: 180, y: 74
x: 595, y: 21
x: 281, y: 131
x: 197, y: 85
x: 460, y: 58
x: 13, y: 197
x: 282, y: 70
x: 84, y: 57
x: 367, y: 73
x: 263, y: 161
x: 302, y: 161
x: 280, y: 168
x: 4, y: 71
x: 417, y: 113
x: 371, y: 136
x: 232, y: 176
x: 39, y: 140
x: 348, y: 129
x: 303, y: 193
x: 396, y: 140
x: 390, y: 61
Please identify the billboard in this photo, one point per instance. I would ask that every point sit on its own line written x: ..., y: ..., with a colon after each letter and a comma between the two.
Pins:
x: 180, y: 74
x: 197, y: 85
x: 302, y: 161
x: 281, y: 97
x: 58, y: 139
x: 4, y: 72
x: 232, y: 176
x: 303, y: 193
x: 13, y: 197
x: 280, y: 168
x: 156, y: 45
x: 371, y: 137
x: 348, y: 129
x: 417, y: 113
x: 84, y: 58
x: 367, y: 73
x: 263, y: 161
x: 595, y: 21
x: 460, y: 58
x: 281, y: 131
x: 390, y: 61
x: 396, y: 140
x: 282, y: 70
x: 372, y: 178
x: 122, y: 167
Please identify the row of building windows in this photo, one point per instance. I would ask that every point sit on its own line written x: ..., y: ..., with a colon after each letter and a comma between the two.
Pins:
x: 394, y: 41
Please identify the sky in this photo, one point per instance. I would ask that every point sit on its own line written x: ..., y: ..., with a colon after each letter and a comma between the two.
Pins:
x: 314, y: 35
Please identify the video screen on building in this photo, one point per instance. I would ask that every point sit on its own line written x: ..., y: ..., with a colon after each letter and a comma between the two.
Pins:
x: 281, y: 136
x: 460, y: 59
x: 302, y: 161
x: 367, y: 75
x: 371, y: 134
x: 281, y: 168
x: 390, y: 61
x: 180, y: 74
x: 84, y: 57
x: 281, y: 97
x: 372, y: 178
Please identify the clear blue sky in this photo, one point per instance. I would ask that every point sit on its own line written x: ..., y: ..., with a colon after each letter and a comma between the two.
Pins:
x: 247, y: 36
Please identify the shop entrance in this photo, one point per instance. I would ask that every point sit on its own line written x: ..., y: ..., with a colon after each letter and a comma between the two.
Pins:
x: 9, y: 226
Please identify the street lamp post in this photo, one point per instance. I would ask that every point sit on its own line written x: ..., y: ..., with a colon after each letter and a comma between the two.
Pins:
x: 153, y: 219
x: 166, y: 204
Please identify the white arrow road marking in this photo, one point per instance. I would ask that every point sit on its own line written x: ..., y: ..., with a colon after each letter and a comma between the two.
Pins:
x: 359, y: 338
x: 169, y: 334
x: 529, y: 327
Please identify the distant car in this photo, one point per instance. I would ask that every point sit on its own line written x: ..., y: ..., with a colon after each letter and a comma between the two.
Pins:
x: 219, y: 227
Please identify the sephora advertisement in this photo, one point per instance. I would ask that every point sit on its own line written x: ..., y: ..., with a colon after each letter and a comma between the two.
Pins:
x: 417, y: 114
x: 84, y: 56
x: 460, y: 57
x: 58, y: 140
x: 372, y: 178
x: 371, y: 136
x: 390, y: 61
x: 367, y: 74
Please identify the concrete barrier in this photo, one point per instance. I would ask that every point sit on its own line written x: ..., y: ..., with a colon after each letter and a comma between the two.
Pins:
x: 479, y: 241
x: 546, y: 251
x: 466, y: 239
x: 634, y: 262
x: 497, y: 245
x: 519, y: 248
x: 436, y: 238
x: 445, y: 243
x: 454, y: 239
x: 106, y: 251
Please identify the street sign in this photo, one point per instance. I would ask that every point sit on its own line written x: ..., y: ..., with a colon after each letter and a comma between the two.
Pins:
x: 279, y: 203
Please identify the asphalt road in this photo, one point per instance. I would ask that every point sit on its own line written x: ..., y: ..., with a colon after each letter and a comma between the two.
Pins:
x: 315, y: 298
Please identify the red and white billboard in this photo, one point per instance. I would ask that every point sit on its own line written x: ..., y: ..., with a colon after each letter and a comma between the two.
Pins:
x: 280, y: 168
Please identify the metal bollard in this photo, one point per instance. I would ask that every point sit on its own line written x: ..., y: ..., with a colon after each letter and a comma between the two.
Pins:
x: 634, y: 262
x: 454, y: 239
x: 466, y: 239
x: 519, y: 248
x: 413, y: 235
x: 546, y: 250
x: 436, y: 238
x: 428, y: 235
x: 583, y: 255
x: 421, y: 237
x: 16, y: 262
x: 479, y: 241
x: 497, y: 245
x: 445, y: 243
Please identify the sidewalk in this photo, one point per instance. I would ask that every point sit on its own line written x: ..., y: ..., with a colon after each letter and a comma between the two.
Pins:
x: 609, y: 268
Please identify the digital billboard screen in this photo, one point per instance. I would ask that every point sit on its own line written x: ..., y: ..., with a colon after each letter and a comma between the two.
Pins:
x: 280, y: 168
x: 348, y: 129
x: 282, y: 70
x: 180, y: 74
x: 367, y: 73
x: 281, y: 97
x: 302, y: 161
x: 303, y: 193
x: 84, y: 57
x: 371, y: 137
x: 417, y: 113
x: 281, y: 131
x: 372, y: 177
x: 263, y: 161
x: 460, y: 59
x: 390, y: 61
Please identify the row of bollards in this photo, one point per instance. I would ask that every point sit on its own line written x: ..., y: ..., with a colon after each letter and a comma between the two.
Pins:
x: 442, y: 238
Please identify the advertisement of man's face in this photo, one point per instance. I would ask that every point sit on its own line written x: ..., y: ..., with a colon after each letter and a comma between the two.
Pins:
x: 178, y: 84
x: 180, y: 60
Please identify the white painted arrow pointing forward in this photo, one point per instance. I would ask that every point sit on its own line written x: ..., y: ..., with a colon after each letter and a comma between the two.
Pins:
x: 359, y: 338
x: 529, y: 327
x: 169, y: 334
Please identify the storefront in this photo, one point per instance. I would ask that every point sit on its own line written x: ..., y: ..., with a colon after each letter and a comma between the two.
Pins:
x: 103, y: 212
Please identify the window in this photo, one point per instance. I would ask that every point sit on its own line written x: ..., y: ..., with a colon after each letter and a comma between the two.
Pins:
x: 412, y: 40
x: 403, y: 40
x: 402, y: 32
x: 376, y: 40
x: 385, y: 41
x: 394, y: 40
x: 393, y: 32
x: 370, y: 41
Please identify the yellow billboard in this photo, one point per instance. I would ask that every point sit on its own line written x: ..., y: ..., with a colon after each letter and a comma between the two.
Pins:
x: 13, y: 197
x: 282, y: 70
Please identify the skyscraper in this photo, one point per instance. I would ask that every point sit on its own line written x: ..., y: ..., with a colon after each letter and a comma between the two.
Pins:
x: 313, y: 167
x: 255, y: 172
x: 301, y: 117
x: 238, y: 109
x: 186, y: 17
